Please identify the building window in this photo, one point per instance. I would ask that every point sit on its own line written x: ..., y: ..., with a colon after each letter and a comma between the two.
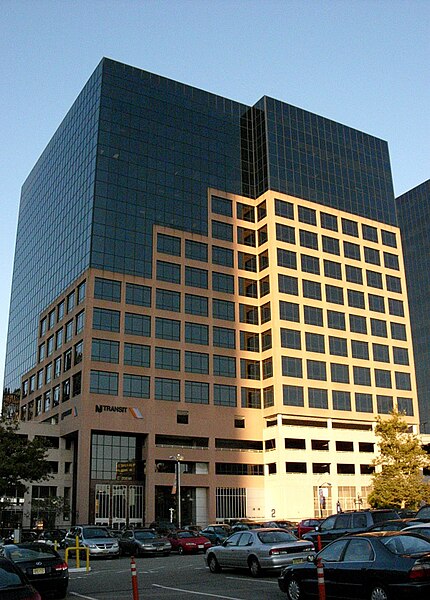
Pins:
x: 104, y: 382
x: 196, y: 250
x: 310, y: 264
x: 182, y: 417
x: 265, y: 312
x: 350, y: 227
x: 222, y: 231
x: 140, y: 295
x: 81, y: 291
x: 403, y: 381
x: 249, y: 314
x: 68, y: 360
x: 168, y: 244
x: 292, y: 367
x: 395, y: 307
x: 59, y: 339
x: 222, y: 256
x: 315, y: 342
x: 357, y: 324
x: 196, y: 305
x: 285, y: 233
x: 137, y: 355
x: 168, y: 300
x: 167, y: 358
x: 69, y: 328
x: 376, y: 303
x: 313, y: 316
x: 341, y: 400
x: 245, y: 212
x: 222, y: 282
x: 316, y: 369
x: 307, y: 215
x: 389, y: 238
x: 224, y: 366
x: 288, y: 284
x: 80, y: 320
x: 356, y: 299
x: 311, y: 289
x: 291, y: 338
x: 76, y: 384
x: 167, y: 389
x: 137, y: 324
x: 336, y: 320
x: 222, y: 206
x: 246, y: 237
x: 381, y: 353
x: 286, y: 258
x: 51, y: 319
x: 225, y: 395
x: 308, y: 239
x: 351, y: 250
x: 405, y: 406
x: 248, y: 287
x: 56, y: 396
x: 354, y: 274
x: 251, y: 398
x: 400, y: 356
x: 223, y: 309
x: 247, y: 262
x: 104, y: 320
x: 360, y: 349
x: 363, y: 403
x: 196, y: 334
x: 398, y: 331
x: 369, y: 233
x: 334, y: 294
x: 361, y: 375
x: 394, y: 284
x: 60, y: 311
x: 79, y: 347
x: 328, y: 221
x: 337, y: 346
x: 330, y: 245
x: 107, y: 289
x: 136, y: 386
x: 105, y: 351
x: 196, y: 362
x: 382, y: 378
x: 196, y: 392
x: 384, y: 404
x: 268, y: 397
x: 167, y: 329
x: 70, y: 302
x: 249, y: 369
x: 295, y: 467
x: 168, y: 272
x: 332, y: 269
x: 371, y: 256
x: 284, y: 209
x: 41, y: 352
x: 374, y: 279
x: 222, y: 337
x: 378, y: 327
x: 66, y: 390
x: 196, y: 277
x: 48, y: 373
x: 339, y: 373
x: 317, y: 398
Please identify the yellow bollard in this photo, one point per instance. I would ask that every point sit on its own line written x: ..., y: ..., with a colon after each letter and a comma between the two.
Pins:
x: 78, y: 564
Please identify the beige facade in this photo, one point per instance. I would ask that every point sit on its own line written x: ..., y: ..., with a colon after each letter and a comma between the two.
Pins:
x: 261, y: 354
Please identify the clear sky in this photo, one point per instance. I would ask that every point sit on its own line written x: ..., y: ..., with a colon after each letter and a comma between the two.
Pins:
x: 363, y: 63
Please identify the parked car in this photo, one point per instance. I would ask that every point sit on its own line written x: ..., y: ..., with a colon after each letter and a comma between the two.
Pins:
x: 214, y: 533
x: 394, y: 525
x: 423, y: 512
x: 352, y: 521
x: 14, y: 584
x: 187, y: 541
x: 52, y: 536
x: 42, y: 565
x: 307, y: 525
x: 258, y: 550
x: 422, y: 529
x: 366, y: 566
x: 94, y: 537
x: 141, y: 542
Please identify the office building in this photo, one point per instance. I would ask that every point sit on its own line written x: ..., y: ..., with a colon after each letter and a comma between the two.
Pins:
x: 413, y: 211
x: 211, y: 287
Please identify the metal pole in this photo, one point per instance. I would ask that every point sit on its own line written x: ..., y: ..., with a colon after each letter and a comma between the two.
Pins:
x: 178, y: 464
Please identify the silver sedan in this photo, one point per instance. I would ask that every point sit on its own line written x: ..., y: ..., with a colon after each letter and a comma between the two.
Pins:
x: 257, y: 550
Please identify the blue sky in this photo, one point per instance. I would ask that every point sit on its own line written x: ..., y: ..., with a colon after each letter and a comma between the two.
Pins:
x: 363, y: 63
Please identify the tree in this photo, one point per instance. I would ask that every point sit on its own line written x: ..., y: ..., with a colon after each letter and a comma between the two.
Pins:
x: 21, y: 459
x: 399, y: 483
x: 49, y: 509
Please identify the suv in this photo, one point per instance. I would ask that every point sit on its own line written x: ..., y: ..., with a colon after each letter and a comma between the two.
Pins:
x: 94, y: 537
x: 424, y: 512
x: 352, y: 521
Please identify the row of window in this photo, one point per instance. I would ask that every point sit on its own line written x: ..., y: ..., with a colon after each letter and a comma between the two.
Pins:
x: 69, y: 388
x: 64, y: 307
x: 53, y: 370
x: 313, y: 315
x: 294, y: 395
x: 63, y: 335
x: 310, y: 216
x: 320, y: 468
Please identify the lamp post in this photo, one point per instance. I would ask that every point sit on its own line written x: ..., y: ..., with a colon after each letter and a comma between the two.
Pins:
x: 321, y: 495
x: 178, y: 458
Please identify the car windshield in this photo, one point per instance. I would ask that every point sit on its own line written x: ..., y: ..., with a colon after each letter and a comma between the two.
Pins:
x: 275, y: 537
x: 424, y: 512
x: 185, y: 534
x: 95, y: 532
x: 219, y: 530
x: 406, y: 544
x: 9, y: 577
x: 21, y: 553
x: 144, y: 535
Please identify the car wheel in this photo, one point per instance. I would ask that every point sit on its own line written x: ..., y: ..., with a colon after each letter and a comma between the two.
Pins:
x: 379, y: 593
x: 213, y: 564
x: 180, y: 550
x: 294, y: 590
x: 254, y: 567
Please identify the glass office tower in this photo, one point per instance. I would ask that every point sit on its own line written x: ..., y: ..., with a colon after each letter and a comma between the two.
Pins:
x: 198, y: 277
x: 413, y: 210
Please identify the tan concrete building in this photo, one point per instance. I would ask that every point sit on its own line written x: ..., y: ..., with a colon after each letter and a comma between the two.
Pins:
x: 256, y: 357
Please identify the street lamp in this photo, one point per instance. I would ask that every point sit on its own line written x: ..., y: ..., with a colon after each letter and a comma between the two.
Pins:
x: 178, y: 458
x: 321, y: 495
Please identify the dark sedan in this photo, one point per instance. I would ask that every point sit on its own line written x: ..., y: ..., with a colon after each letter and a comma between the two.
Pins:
x: 141, y: 542
x: 42, y: 565
x: 14, y: 585
x: 367, y: 566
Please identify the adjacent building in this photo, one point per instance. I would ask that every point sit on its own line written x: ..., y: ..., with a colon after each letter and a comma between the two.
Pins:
x: 209, y: 287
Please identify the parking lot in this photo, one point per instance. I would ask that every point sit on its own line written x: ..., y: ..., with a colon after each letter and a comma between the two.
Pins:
x: 168, y: 578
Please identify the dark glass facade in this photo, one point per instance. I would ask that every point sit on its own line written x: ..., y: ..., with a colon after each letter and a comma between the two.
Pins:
x: 413, y: 212
x: 137, y: 149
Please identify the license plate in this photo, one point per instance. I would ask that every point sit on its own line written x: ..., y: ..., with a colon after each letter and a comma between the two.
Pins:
x: 39, y: 571
x: 159, y: 549
x: 201, y: 546
x: 297, y: 561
